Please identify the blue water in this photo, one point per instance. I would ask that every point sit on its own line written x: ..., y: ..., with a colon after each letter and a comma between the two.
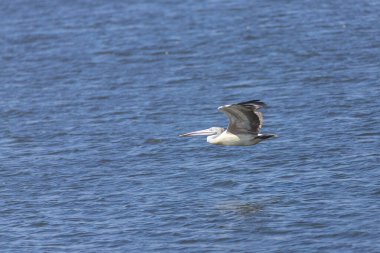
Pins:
x: 93, y: 95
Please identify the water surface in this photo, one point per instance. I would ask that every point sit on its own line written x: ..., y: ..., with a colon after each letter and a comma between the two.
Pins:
x: 94, y: 93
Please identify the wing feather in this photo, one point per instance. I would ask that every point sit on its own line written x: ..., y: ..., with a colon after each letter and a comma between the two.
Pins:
x: 243, y: 117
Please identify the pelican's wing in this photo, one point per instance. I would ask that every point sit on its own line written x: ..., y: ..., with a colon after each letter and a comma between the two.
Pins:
x: 243, y: 117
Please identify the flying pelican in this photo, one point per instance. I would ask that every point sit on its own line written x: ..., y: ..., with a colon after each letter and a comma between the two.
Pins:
x: 243, y: 128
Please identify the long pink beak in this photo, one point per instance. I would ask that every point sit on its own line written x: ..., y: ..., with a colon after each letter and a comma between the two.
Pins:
x: 200, y: 132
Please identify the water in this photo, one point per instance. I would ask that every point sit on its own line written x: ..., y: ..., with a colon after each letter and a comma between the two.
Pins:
x: 94, y: 93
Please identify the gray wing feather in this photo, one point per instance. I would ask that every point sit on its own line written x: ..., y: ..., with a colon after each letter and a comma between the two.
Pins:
x: 244, y: 117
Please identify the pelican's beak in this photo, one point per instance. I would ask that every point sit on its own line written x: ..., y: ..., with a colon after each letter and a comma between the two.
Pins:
x: 200, y: 132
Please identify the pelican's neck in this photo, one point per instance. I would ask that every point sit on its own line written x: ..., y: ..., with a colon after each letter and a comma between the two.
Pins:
x: 212, y: 138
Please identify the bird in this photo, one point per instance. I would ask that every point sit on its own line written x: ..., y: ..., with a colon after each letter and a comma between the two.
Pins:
x: 245, y: 122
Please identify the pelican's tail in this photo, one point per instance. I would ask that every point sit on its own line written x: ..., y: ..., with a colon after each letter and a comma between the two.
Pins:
x: 266, y: 136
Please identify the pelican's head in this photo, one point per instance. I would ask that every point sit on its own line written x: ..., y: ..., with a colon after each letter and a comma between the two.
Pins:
x: 212, y: 131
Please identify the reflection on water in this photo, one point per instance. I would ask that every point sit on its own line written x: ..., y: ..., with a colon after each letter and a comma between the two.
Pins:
x: 241, y: 208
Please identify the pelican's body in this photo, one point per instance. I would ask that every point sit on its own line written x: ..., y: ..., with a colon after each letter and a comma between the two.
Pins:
x: 243, y: 128
x: 228, y: 139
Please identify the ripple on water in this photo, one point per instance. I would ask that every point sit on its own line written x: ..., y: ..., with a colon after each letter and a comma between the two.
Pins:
x: 241, y: 208
x: 152, y: 141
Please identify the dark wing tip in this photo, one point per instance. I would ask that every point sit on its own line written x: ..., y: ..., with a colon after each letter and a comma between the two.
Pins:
x: 256, y: 103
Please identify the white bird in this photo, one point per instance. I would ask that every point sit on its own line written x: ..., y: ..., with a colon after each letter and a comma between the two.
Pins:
x: 243, y: 128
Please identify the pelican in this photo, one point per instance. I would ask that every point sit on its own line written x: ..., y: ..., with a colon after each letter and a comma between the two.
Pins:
x: 244, y: 123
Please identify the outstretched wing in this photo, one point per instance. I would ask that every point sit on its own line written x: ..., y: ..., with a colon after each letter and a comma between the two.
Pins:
x: 243, y: 117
